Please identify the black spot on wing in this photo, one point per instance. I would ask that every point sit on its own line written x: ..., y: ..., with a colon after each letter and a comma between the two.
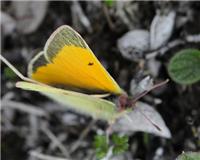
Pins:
x: 90, y: 63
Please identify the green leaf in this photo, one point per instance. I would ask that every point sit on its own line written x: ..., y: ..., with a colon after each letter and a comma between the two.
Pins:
x: 9, y: 73
x: 101, y: 146
x: 184, y: 67
x: 109, y: 3
x: 120, y: 144
x: 146, y: 139
x: 189, y: 156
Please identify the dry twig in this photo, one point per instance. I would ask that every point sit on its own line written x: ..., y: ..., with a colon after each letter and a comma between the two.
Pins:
x: 82, y: 136
x: 30, y: 109
x: 55, y: 140
x: 78, y: 12
x: 45, y: 157
x: 172, y: 44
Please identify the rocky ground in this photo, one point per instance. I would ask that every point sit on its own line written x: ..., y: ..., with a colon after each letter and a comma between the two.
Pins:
x: 132, y: 40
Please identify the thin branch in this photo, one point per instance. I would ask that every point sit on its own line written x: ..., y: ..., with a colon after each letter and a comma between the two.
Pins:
x: 109, y: 154
x: 82, y: 136
x: 172, y: 44
x: 45, y: 157
x: 32, y: 137
x: 193, y: 38
x: 55, y: 140
x: 30, y: 109
x: 78, y: 11
x: 108, y: 18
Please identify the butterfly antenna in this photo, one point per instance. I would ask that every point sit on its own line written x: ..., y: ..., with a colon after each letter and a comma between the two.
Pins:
x: 149, y: 120
x: 143, y: 94
x: 16, y: 71
x: 135, y: 99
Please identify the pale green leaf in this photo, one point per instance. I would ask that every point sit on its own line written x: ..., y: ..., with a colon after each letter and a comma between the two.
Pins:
x: 189, y: 156
x: 184, y: 67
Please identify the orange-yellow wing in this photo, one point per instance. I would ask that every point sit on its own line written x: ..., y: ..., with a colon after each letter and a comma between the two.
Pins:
x: 67, y: 60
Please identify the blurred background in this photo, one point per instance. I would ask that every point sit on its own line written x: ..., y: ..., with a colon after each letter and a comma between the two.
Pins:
x: 132, y: 39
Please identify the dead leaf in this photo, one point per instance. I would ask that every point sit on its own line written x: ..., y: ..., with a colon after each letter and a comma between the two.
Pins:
x: 161, y: 29
x: 153, y: 66
x: 144, y: 85
x: 8, y: 23
x: 29, y: 14
x: 133, y: 44
x: 136, y: 121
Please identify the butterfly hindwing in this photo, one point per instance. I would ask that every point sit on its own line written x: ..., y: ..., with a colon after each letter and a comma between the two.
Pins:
x: 96, y: 107
x: 36, y: 62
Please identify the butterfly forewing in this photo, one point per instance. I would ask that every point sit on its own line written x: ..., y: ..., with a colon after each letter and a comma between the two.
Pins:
x: 71, y: 63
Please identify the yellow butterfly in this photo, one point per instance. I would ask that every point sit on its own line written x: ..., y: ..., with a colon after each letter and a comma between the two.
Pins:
x: 67, y: 61
x: 67, y: 65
